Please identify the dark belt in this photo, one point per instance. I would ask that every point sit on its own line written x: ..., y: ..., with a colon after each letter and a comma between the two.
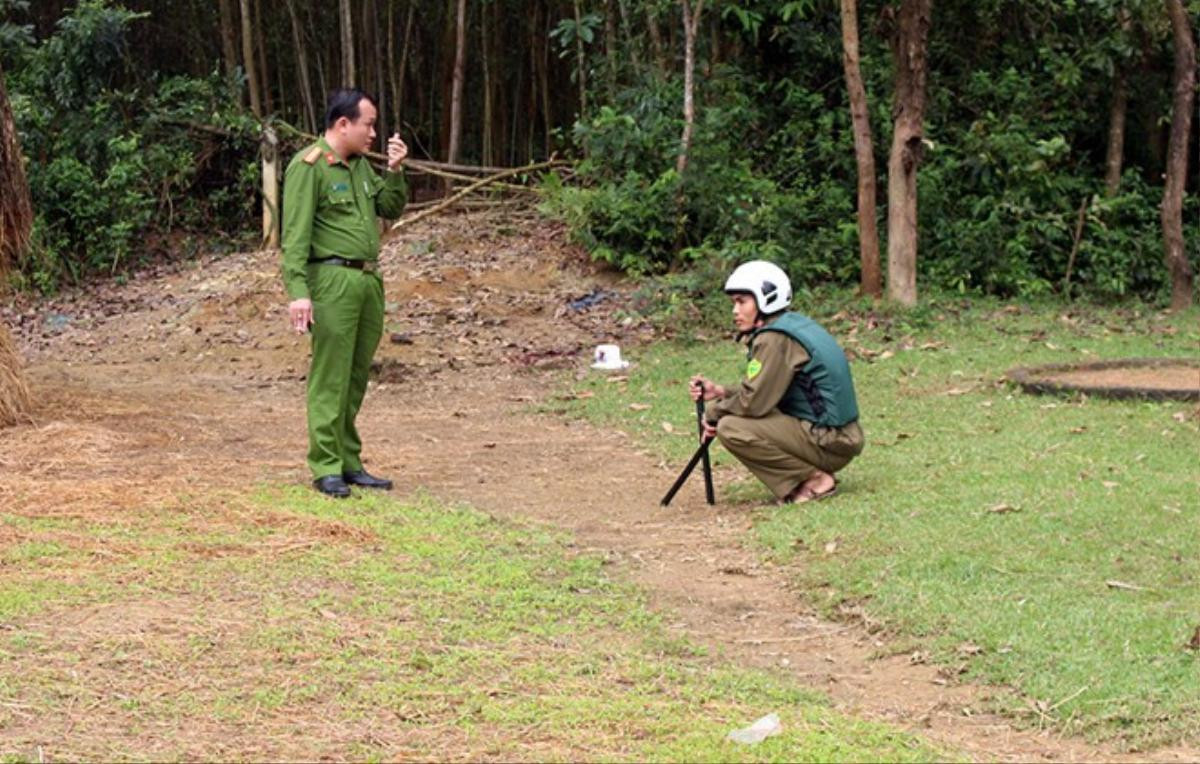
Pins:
x: 370, y: 266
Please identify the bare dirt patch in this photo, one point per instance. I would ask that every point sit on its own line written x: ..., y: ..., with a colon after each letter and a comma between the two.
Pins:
x: 1151, y: 378
x: 187, y: 382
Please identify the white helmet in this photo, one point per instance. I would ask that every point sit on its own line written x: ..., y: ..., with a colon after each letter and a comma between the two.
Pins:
x: 766, y: 281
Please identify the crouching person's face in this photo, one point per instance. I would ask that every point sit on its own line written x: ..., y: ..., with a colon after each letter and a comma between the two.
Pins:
x: 745, y: 312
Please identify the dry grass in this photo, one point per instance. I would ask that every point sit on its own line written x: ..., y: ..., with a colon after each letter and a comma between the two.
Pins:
x: 14, y: 393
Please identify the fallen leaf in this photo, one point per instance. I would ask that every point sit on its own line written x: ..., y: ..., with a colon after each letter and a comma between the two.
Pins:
x: 831, y: 547
x: 886, y: 355
x: 1194, y: 642
x: 668, y: 427
x: 969, y: 648
x: 639, y: 406
x: 1109, y: 484
x: 1078, y: 430
x: 1002, y: 509
x: 1125, y: 586
x: 489, y: 445
x: 1179, y: 416
x: 584, y: 395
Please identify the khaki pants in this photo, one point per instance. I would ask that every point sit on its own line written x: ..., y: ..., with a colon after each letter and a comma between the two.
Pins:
x: 783, y: 451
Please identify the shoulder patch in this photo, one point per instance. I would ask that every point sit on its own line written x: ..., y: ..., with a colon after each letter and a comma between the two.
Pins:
x: 312, y: 155
x: 753, y: 368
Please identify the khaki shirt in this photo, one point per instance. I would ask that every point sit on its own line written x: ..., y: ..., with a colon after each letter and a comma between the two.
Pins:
x: 774, y: 362
x: 330, y: 206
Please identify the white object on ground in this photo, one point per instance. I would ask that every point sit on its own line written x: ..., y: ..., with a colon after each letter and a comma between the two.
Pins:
x: 608, y: 357
x: 759, y: 731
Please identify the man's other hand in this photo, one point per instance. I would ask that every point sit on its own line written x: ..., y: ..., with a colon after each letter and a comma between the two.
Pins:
x: 300, y: 314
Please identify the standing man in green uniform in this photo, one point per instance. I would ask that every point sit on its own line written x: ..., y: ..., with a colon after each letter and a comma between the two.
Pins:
x: 331, y: 199
x: 793, y: 419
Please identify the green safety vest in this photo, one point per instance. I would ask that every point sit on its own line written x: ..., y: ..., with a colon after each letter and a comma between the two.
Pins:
x: 823, y: 391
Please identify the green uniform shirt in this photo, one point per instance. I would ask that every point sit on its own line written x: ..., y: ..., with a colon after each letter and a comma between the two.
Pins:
x: 330, y: 207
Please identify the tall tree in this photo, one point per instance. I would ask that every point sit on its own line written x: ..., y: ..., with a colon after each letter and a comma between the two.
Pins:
x: 456, y: 84
x: 229, y: 38
x: 871, y: 280
x: 306, y: 91
x: 580, y: 59
x: 16, y: 222
x: 909, y: 43
x: 346, y: 27
x: 1183, y: 86
x: 1114, y: 155
x: 248, y: 60
x: 691, y: 23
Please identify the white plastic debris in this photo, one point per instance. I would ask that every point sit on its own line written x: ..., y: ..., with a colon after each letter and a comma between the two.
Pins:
x: 759, y: 731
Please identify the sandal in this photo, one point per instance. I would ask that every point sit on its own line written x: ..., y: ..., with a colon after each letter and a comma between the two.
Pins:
x: 805, y: 495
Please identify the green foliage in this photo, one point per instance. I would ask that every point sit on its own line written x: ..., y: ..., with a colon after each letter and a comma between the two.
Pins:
x: 1014, y: 151
x: 112, y: 167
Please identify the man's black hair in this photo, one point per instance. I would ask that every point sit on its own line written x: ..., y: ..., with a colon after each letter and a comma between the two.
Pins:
x: 344, y: 102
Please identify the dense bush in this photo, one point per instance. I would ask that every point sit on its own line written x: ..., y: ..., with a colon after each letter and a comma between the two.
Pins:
x: 114, y: 169
x: 1014, y: 151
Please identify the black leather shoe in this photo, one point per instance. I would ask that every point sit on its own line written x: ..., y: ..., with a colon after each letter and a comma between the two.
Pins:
x: 332, y: 485
x: 364, y: 479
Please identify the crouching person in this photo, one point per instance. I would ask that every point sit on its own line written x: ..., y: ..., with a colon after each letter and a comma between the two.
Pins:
x: 793, y: 418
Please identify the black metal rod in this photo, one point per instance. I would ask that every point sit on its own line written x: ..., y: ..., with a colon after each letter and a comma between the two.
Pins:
x: 709, y: 493
x: 683, y: 476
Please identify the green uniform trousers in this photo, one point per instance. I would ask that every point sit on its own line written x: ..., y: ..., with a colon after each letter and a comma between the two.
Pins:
x: 783, y: 451
x: 347, y: 325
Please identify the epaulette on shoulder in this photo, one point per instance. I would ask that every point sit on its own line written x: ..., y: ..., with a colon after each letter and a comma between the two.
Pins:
x: 313, y: 155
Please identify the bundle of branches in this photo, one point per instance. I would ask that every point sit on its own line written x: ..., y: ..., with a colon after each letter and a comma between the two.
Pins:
x: 14, y: 394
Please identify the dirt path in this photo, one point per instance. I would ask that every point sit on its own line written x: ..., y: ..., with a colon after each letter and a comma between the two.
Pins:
x: 190, y: 378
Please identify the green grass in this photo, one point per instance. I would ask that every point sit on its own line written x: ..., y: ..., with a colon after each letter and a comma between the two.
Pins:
x: 293, y: 626
x: 982, y: 525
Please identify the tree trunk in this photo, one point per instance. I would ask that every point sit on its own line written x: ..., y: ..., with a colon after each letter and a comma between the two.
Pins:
x: 229, y: 41
x: 456, y: 87
x: 610, y: 49
x: 485, y: 137
x: 385, y: 128
x: 909, y: 55
x: 871, y: 279
x: 16, y: 224
x: 247, y: 56
x: 400, y: 93
x: 1115, y: 155
x: 691, y: 22
x: 1183, y: 86
x: 346, y: 26
x: 306, y: 92
x: 544, y: 83
x: 264, y: 73
x: 580, y: 61
x: 248, y: 59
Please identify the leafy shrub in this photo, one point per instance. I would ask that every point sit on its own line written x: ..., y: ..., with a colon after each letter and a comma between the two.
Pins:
x: 113, y: 167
